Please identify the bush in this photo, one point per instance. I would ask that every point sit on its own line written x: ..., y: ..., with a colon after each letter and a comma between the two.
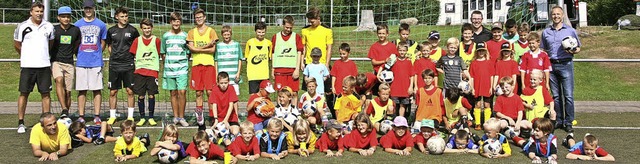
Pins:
x: 607, y: 12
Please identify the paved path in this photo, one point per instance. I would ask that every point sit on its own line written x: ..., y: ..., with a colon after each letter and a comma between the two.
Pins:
x: 581, y: 107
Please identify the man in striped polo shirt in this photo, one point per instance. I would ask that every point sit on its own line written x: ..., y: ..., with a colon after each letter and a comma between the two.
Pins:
x: 175, y: 54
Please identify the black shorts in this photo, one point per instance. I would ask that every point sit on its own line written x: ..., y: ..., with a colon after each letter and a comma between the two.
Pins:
x: 508, y: 124
x: 144, y: 85
x: 120, y: 79
x: 32, y: 76
x: 254, y: 86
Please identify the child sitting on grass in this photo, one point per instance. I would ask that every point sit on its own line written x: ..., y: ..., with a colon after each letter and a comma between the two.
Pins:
x: 381, y: 107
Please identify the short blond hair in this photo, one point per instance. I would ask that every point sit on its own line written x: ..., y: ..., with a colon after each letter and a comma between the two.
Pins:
x: 453, y: 41
x: 492, y: 125
x: 349, y: 81
x: 536, y: 73
x: 275, y: 123
x: 246, y: 125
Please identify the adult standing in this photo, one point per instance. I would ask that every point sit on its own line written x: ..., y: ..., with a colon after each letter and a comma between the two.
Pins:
x: 49, y: 139
x: 89, y: 64
x: 287, y: 52
x: 121, y: 67
x: 65, y: 45
x: 561, y: 76
x: 35, y: 64
x: 480, y: 34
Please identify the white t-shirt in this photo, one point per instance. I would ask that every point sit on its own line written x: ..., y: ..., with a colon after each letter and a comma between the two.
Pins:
x: 35, y: 43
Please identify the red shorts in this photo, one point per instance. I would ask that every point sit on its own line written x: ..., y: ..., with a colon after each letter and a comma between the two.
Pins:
x: 284, y: 77
x: 203, y: 77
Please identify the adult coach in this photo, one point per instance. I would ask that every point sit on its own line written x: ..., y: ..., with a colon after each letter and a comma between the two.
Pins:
x: 561, y: 76
x: 480, y: 34
x: 65, y: 46
x: 119, y: 40
x: 49, y: 139
x: 89, y: 64
x: 287, y: 52
x: 35, y: 66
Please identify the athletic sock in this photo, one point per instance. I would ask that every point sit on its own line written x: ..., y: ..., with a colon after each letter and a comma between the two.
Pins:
x: 476, y: 114
x: 112, y: 113
x: 517, y: 139
x: 130, y: 112
x: 487, y: 114
x: 152, y: 106
x: 20, y: 121
x: 141, y: 106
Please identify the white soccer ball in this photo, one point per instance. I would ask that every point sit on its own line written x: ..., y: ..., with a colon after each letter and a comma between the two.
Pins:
x: 221, y: 130
x: 66, y: 121
x: 569, y: 43
x: 309, y: 107
x: 167, y: 156
x: 464, y: 87
x: 385, y: 126
x: 211, y: 135
x: 386, y: 76
x: 436, y: 145
x: 493, y: 147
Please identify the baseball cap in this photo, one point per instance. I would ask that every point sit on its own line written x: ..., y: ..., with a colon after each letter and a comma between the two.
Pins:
x: 266, y: 85
x: 496, y: 26
x: 505, y: 46
x: 88, y: 3
x: 400, y: 122
x: 427, y: 123
x: 481, y: 46
x: 434, y: 35
x: 333, y: 124
x: 64, y: 10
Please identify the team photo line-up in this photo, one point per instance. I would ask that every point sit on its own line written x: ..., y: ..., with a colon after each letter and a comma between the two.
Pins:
x: 529, y: 75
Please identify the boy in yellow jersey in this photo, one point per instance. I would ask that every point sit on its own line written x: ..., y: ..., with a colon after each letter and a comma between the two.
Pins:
x: 202, y: 44
x: 258, y: 52
x: 318, y: 35
x: 348, y: 105
x: 436, y: 51
x: 456, y: 111
x: 380, y: 108
x: 522, y: 45
x: 537, y: 101
x: 404, y: 32
x: 467, y: 47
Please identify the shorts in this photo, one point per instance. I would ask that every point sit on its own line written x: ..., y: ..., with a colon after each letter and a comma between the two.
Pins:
x: 508, y: 124
x: 260, y: 125
x: 254, y: 86
x: 64, y: 70
x: 89, y: 78
x: 32, y: 76
x: 401, y: 100
x: 144, y: 85
x: 286, y: 80
x: 484, y: 98
x: 118, y: 79
x: 203, y: 77
x: 175, y: 83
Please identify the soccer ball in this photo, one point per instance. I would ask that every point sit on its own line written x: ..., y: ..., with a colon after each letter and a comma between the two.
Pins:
x: 569, y: 43
x: 436, y: 145
x: 309, y: 107
x: 211, y: 135
x: 493, y: 147
x: 66, y: 121
x: 385, y: 126
x: 167, y: 156
x: 221, y: 130
x: 386, y: 76
x: 265, y: 109
x: 464, y: 87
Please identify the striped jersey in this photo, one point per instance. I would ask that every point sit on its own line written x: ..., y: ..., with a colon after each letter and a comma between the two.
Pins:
x: 174, y: 46
x: 227, y: 56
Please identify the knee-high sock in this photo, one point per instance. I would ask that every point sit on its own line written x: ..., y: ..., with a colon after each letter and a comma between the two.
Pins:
x: 141, y: 106
x: 487, y: 114
x: 152, y: 106
x: 476, y: 116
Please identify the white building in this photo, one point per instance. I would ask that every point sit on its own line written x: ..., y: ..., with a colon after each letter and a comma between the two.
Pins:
x: 457, y: 12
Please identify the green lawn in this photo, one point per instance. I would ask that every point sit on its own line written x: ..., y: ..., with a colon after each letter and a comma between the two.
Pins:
x: 594, y: 81
x: 614, y: 141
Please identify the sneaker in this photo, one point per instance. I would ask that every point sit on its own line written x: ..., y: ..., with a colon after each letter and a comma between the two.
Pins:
x: 183, y: 122
x: 64, y: 113
x: 199, y: 116
x: 97, y: 120
x: 141, y: 122
x: 80, y: 119
x: 176, y: 120
x: 130, y: 118
x: 565, y: 141
x: 568, y: 128
x: 111, y: 120
x: 145, y: 136
x: 152, y: 122
x: 559, y: 126
x: 22, y: 128
x: 99, y: 141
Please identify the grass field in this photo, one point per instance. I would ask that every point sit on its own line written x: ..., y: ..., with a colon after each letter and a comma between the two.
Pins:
x: 614, y: 141
x: 593, y: 81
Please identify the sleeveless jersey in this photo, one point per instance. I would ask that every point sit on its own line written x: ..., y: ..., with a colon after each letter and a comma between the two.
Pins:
x: 380, y: 111
x: 411, y: 51
x: 519, y: 50
x: 429, y: 105
x: 174, y: 46
x: 200, y: 41
x: 450, y: 107
x: 258, y: 59
x: 147, y: 55
x: 467, y: 57
x: 437, y: 55
x: 285, y: 54
x: 537, y: 100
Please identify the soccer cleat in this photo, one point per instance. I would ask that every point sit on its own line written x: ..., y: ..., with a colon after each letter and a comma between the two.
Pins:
x: 559, y: 126
x: 183, y: 122
x: 99, y: 141
x: 22, y: 128
x: 64, y: 113
x: 97, y: 120
x: 141, y: 122
x: 565, y: 141
x: 80, y: 119
x: 111, y: 120
x: 152, y: 122
x: 130, y: 118
x: 568, y: 128
x: 199, y: 116
x: 146, y: 142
